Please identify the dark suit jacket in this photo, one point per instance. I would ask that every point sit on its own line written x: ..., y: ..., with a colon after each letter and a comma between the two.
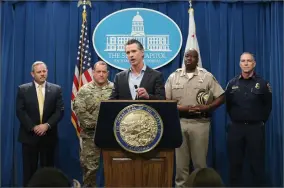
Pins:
x: 152, y: 81
x: 28, y: 113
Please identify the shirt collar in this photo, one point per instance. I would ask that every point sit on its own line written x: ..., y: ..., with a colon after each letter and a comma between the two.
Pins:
x: 104, y: 87
x: 43, y: 85
x: 253, y: 76
x: 143, y: 68
x: 183, y: 72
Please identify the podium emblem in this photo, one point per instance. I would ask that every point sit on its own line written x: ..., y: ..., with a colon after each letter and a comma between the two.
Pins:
x: 138, y: 128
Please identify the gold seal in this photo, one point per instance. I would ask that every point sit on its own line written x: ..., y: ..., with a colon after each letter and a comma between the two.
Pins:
x: 138, y: 128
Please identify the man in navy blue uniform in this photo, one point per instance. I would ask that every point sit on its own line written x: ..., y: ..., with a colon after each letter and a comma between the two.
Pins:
x: 249, y: 103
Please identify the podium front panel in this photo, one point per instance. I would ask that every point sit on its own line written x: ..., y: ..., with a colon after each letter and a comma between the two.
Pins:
x: 109, y: 110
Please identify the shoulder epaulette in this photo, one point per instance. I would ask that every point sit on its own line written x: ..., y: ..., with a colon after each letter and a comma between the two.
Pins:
x: 179, y: 70
x: 202, y: 69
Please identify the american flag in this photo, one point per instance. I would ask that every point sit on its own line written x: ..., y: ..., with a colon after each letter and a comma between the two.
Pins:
x: 83, y: 68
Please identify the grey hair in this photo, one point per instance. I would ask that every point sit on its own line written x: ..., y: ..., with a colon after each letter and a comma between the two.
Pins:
x: 251, y: 54
x: 37, y: 63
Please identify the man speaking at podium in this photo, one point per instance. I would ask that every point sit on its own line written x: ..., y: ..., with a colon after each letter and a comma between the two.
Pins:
x: 139, y: 82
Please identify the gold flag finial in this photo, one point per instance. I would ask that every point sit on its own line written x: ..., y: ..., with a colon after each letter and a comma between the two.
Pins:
x: 84, y: 3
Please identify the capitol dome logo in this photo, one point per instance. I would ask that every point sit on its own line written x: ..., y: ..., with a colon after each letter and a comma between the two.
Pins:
x: 159, y: 34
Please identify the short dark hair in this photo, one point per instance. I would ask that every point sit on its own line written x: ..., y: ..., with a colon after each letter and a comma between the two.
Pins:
x: 49, y: 177
x: 134, y: 41
x: 205, y: 177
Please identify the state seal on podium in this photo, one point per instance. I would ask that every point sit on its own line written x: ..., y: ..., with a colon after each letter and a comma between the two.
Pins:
x: 138, y: 128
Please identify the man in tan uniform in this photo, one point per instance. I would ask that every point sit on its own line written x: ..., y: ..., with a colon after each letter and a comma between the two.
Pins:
x: 185, y: 85
x: 86, y: 106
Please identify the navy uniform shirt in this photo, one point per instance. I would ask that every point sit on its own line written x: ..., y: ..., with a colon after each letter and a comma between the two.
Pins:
x: 248, y: 100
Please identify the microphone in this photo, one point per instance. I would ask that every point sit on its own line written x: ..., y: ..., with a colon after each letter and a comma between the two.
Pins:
x: 136, y: 87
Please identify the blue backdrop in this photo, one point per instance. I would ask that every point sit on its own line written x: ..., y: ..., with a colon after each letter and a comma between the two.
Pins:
x: 49, y: 31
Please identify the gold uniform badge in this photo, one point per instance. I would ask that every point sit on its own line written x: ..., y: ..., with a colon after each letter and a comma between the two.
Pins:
x: 257, y: 85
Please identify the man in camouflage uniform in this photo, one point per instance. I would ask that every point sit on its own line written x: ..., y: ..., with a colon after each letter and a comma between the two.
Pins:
x: 185, y: 85
x: 86, y: 107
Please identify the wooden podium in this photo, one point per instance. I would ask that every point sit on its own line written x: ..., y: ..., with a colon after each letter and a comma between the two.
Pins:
x: 151, y: 169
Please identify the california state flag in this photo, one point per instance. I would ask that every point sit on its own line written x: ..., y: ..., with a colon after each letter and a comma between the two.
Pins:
x: 192, y: 38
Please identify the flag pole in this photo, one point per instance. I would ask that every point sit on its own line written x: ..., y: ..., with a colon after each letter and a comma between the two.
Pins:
x: 84, y: 20
x: 82, y: 59
x: 190, y: 6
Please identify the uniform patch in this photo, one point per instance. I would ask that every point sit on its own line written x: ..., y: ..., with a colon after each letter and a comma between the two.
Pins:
x: 269, y: 88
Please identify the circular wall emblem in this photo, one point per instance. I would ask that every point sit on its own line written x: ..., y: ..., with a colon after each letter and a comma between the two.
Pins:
x: 159, y: 34
x: 138, y: 128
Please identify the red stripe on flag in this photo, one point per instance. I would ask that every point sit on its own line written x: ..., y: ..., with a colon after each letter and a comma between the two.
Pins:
x: 75, y: 82
x: 72, y: 96
x: 88, y: 76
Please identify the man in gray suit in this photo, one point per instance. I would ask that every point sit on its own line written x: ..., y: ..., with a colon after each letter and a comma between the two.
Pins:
x: 139, y: 82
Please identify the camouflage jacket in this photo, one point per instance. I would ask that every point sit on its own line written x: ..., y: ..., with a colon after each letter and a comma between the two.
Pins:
x: 87, y: 104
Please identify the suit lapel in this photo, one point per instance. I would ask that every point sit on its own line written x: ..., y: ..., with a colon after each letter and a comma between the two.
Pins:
x: 146, y: 77
x: 33, y: 95
x: 46, y: 96
x: 125, y: 79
